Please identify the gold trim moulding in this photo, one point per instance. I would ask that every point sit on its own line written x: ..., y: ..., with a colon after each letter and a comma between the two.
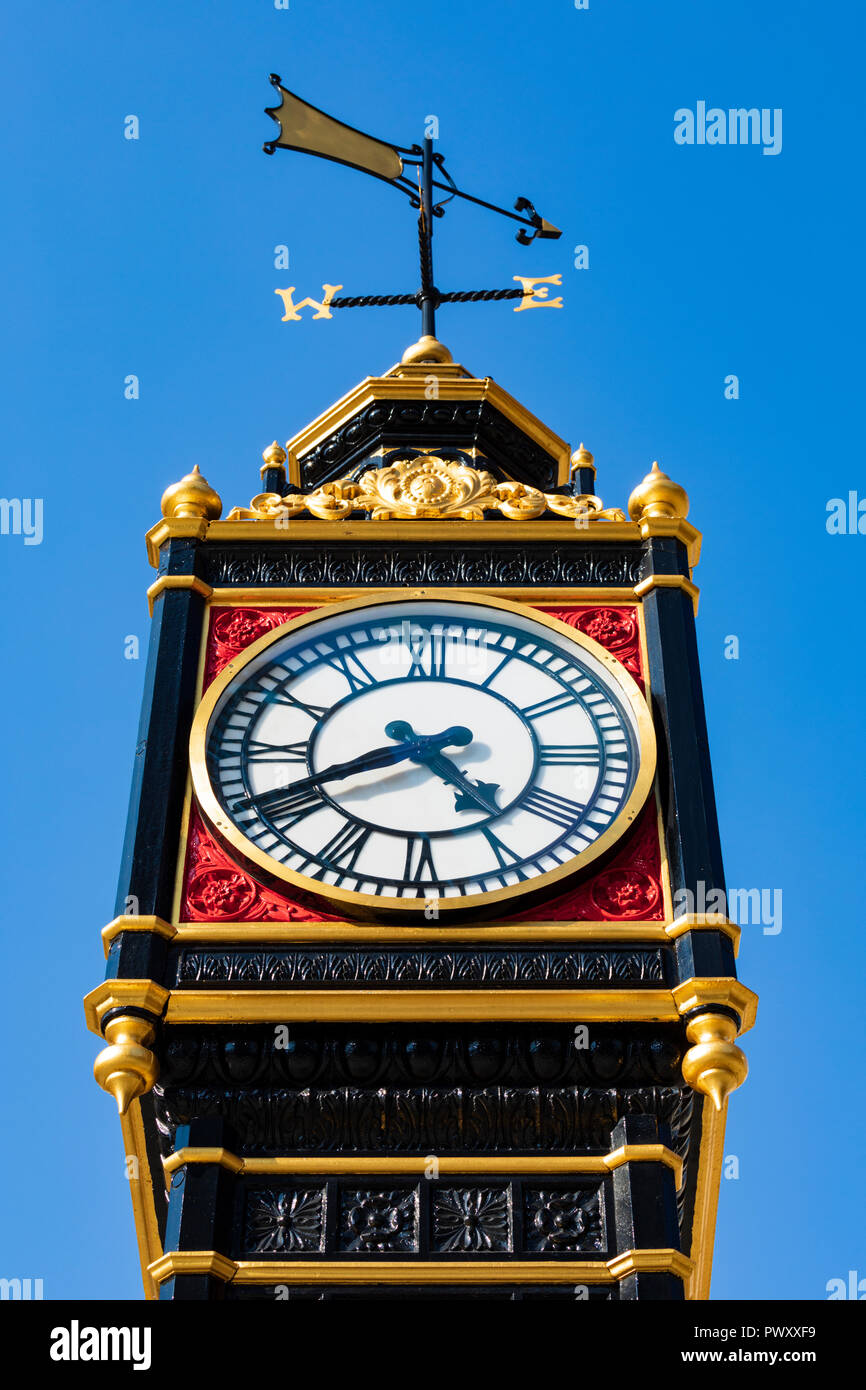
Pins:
x: 123, y: 994
x: 317, y: 933
x: 141, y: 1192
x: 549, y: 1164
x: 177, y: 581
x: 668, y: 581
x: 705, y: 921
x: 416, y: 1005
x: 710, y: 1161
x: 702, y: 992
x: 677, y: 527
x: 156, y: 925
x: 278, y: 597
x: 179, y: 528
x: 476, y: 1271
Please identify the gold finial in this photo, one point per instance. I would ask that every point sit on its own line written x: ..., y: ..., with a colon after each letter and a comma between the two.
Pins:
x: 274, y: 457
x: 426, y: 349
x: 126, y: 1068
x: 715, y: 1066
x: 192, y: 497
x: 582, y: 458
x: 658, y: 495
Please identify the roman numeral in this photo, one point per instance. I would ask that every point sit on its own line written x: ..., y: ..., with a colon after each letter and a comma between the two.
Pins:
x: 351, y: 666
x: 424, y: 860
x: 569, y: 754
x: 427, y: 651
x: 342, y: 850
x: 258, y: 752
x: 294, y: 805
x: 495, y: 672
x: 505, y: 857
x: 558, y: 809
x: 550, y: 705
x: 282, y: 697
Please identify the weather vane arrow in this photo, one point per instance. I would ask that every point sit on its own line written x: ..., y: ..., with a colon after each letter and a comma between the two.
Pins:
x: 306, y: 129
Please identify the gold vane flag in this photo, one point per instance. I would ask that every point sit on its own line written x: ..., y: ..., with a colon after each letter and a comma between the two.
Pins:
x: 306, y: 128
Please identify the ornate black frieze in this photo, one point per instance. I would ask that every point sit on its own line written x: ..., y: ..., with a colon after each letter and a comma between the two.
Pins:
x: 520, y: 965
x: 367, y: 1055
x: 457, y: 1217
x: 285, y: 1221
x: 425, y: 424
x: 423, y: 1119
x: 305, y: 563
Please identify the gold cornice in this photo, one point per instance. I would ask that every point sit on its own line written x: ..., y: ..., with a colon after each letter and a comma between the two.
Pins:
x: 679, y: 529
x: 180, y: 528
x: 192, y: 1262
x: 705, y: 991
x: 419, y: 1164
x: 668, y: 581
x: 559, y: 531
x: 704, y: 921
x: 123, y: 994
x: 651, y: 1262
x: 428, y: 1005
x: 223, y: 1157
x: 176, y: 581
x: 468, y: 1272
x: 155, y: 925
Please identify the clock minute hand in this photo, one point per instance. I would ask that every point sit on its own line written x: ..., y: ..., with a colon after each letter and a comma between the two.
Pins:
x: 377, y: 757
x: 444, y: 768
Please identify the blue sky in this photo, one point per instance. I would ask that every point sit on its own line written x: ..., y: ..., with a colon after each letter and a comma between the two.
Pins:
x: 155, y: 258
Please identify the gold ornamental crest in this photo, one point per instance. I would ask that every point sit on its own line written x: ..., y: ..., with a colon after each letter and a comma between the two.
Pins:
x: 428, y: 487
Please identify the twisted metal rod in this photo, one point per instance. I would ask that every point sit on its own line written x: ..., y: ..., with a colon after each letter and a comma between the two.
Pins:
x: 369, y: 301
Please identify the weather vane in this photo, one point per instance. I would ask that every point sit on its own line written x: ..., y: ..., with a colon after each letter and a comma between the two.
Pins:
x: 304, y: 128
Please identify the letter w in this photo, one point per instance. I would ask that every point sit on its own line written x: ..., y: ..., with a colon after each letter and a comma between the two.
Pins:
x: 291, y: 309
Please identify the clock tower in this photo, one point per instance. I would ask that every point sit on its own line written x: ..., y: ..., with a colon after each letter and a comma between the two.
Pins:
x: 397, y: 1003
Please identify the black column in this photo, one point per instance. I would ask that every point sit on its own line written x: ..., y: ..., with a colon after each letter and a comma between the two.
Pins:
x: 149, y: 861
x: 200, y: 1207
x: 645, y: 1208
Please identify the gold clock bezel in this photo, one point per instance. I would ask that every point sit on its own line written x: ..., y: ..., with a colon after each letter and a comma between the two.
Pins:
x: 373, y: 905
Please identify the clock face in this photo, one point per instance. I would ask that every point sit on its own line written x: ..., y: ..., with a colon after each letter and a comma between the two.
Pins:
x: 395, y: 753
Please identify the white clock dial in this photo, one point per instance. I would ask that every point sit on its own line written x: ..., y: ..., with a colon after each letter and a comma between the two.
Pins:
x: 423, y: 749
